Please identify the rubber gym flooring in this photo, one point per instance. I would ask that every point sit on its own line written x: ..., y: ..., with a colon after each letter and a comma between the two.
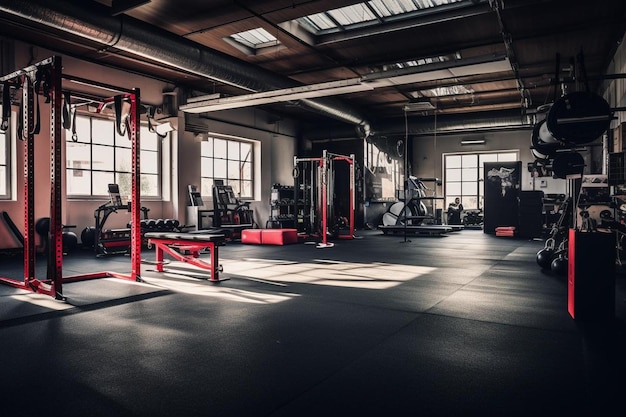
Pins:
x: 461, y: 325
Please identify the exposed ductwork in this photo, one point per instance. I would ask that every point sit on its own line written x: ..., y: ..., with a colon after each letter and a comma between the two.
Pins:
x: 94, y: 23
x: 417, y: 126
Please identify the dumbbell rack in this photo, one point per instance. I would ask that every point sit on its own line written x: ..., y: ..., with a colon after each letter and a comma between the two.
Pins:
x: 112, y: 241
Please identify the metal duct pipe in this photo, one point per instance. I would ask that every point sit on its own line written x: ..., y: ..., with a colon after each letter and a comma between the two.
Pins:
x: 94, y: 23
x: 425, y: 126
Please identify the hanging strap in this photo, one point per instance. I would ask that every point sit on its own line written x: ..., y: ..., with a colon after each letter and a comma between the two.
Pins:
x: 120, y: 125
x: 67, y: 106
x: 6, y: 106
x: 151, y: 128
x: 74, y: 135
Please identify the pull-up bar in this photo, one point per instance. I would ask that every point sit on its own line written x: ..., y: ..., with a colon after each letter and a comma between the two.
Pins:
x: 326, y: 171
x: 47, y: 75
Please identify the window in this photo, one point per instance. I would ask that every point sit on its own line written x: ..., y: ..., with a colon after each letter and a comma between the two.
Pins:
x: 254, y: 41
x: 464, y: 176
x: 372, y: 13
x: 5, y: 158
x: 230, y: 160
x: 100, y: 157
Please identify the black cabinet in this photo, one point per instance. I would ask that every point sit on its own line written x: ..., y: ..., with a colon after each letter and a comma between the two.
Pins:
x: 282, y: 207
x: 591, y: 275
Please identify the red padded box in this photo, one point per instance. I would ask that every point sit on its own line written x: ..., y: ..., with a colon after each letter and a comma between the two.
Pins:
x: 279, y: 236
x: 507, y: 231
x: 251, y: 236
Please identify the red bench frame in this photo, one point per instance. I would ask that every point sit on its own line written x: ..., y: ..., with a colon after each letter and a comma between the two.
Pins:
x: 175, y: 244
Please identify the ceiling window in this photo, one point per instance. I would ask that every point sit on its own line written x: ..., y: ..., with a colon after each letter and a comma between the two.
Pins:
x: 453, y: 90
x: 253, y: 40
x: 371, y: 12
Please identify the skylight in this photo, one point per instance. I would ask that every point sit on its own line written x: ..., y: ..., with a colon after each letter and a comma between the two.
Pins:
x: 370, y: 12
x: 255, y: 38
x: 453, y: 90
x: 418, y: 62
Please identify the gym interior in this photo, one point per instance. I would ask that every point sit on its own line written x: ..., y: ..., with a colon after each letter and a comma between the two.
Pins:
x: 285, y: 208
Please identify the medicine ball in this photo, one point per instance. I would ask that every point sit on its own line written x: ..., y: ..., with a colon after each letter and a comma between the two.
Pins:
x: 70, y: 241
x: 42, y: 226
x: 88, y: 236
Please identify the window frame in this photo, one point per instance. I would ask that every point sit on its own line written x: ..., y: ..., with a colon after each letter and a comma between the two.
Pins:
x: 208, y: 160
x: 479, y: 182
x: 113, y: 144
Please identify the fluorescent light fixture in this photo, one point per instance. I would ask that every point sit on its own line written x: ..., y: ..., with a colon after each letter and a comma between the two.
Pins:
x: 473, y: 142
x: 419, y: 105
x: 288, y: 94
x: 430, y: 72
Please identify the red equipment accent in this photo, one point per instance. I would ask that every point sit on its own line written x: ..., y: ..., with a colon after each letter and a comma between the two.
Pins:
x: 174, y: 244
x: 324, y: 167
x: 49, y: 72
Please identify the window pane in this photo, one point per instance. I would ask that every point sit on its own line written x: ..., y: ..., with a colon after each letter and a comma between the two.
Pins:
x: 123, y: 158
x: 3, y: 149
x: 453, y: 161
x: 453, y: 175
x: 124, y: 180
x: 470, y: 174
x: 78, y: 155
x: 233, y: 150
x: 507, y: 157
x: 469, y: 161
x: 101, y: 181
x: 219, y: 148
x: 246, y: 171
x: 219, y: 168
x: 488, y: 157
x: 246, y: 189
x: 233, y: 170
x: 149, y: 140
x: 206, y: 187
x: 149, y: 185
x: 3, y: 180
x: 206, y: 169
x: 102, y: 131
x: 235, y: 185
x: 453, y: 188
x: 469, y: 202
x: 469, y: 188
x: 246, y: 152
x: 103, y: 158
x: 78, y: 182
x: 149, y: 162
x: 206, y: 147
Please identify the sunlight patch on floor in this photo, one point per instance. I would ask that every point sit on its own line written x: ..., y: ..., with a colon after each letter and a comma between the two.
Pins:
x: 377, y: 275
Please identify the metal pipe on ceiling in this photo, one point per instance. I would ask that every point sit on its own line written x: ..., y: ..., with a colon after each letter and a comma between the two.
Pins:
x: 418, y: 126
x: 95, y: 24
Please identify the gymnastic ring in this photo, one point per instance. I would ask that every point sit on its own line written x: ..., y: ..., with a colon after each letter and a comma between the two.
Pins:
x: 295, y: 172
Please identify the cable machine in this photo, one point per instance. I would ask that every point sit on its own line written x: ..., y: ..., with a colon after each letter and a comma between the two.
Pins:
x: 314, y: 198
x: 45, y: 78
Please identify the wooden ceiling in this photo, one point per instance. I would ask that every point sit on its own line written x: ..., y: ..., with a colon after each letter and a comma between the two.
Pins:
x: 541, y: 39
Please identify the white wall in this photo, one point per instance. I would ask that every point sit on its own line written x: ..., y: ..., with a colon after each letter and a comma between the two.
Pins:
x: 428, y: 151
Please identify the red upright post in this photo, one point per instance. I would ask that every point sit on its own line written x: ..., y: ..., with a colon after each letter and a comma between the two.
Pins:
x: 28, y: 137
x: 135, y: 230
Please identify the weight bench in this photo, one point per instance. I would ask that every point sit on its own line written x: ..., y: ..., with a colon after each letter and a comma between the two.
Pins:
x: 186, y: 247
